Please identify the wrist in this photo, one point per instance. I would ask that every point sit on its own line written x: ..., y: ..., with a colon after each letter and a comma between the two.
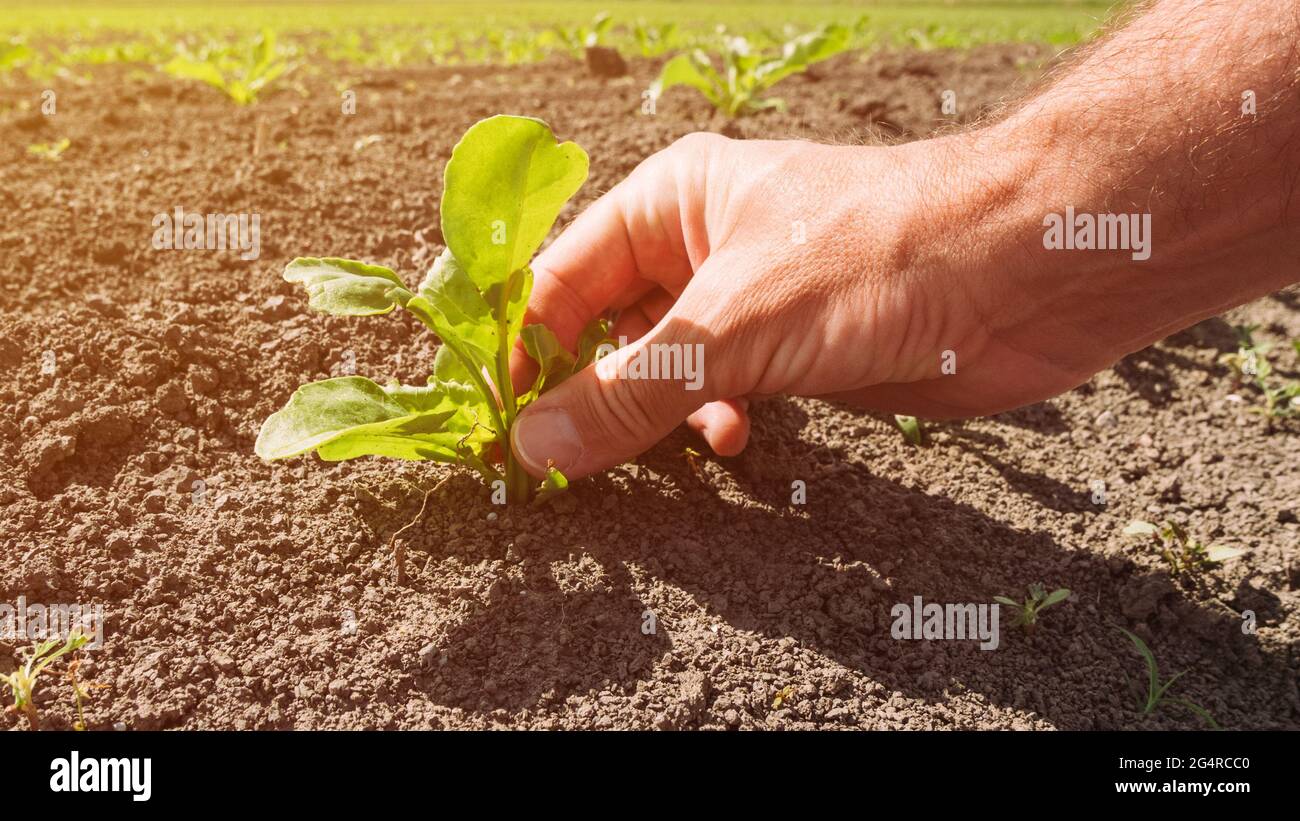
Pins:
x: 978, y: 204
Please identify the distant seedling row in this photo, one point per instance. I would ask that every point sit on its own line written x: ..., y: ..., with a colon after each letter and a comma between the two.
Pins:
x: 729, y: 62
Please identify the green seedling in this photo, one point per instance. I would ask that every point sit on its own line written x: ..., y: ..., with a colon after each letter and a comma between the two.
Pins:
x: 1281, y: 401
x: 513, y: 48
x: 12, y: 53
x: 239, y: 72
x: 1157, y: 689
x: 745, y: 75
x: 693, y: 459
x: 22, y: 682
x: 1244, y: 362
x: 1038, y: 601
x: 910, y: 427
x: 783, y: 696
x: 653, y: 40
x: 504, y: 185
x: 1180, y: 551
x: 1249, y: 364
x: 50, y: 151
x: 577, y: 39
x: 935, y: 36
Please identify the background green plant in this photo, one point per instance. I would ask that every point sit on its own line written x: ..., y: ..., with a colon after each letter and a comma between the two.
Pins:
x: 1157, y: 690
x: 22, y: 682
x: 241, y: 71
x: 1038, y: 601
x: 1180, y: 551
x: 746, y: 72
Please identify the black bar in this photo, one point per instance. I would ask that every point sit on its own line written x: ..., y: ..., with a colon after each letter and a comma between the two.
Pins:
x: 213, y: 770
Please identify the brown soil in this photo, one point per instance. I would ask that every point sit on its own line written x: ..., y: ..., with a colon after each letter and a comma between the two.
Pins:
x: 269, y: 599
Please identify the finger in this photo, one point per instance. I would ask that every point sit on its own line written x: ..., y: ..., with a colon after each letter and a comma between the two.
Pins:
x: 607, y: 413
x: 724, y: 425
x: 636, y: 320
x: 626, y: 242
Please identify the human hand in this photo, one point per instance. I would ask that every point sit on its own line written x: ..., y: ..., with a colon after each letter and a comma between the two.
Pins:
x: 796, y: 268
x: 858, y: 273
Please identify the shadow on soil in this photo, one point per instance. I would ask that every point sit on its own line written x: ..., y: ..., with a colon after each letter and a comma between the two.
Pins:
x: 817, y: 575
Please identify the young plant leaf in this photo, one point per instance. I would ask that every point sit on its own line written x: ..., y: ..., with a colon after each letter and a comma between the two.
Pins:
x: 1220, y: 553
x: 801, y: 52
x: 553, y: 485
x: 911, y: 429
x: 1138, y: 528
x: 352, y: 416
x: 1056, y: 596
x: 692, y: 69
x: 459, y: 314
x: 344, y: 287
x: 505, y: 184
x: 593, y: 336
x: 745, y: 75
x: 554, y: 363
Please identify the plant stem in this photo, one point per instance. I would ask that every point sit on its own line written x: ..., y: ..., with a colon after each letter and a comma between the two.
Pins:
x: 518, y: 485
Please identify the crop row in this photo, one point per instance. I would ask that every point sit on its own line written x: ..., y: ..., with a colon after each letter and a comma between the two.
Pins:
x: 42, y: 54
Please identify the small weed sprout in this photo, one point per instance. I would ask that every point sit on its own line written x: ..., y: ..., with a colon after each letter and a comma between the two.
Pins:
x: 1181, y: 552
x: 693, y: 458
x: 1038, y: 601
x: 1157, y: 689
x: 1250, y: 365
x: 49, y: 151
x: 783, y: 696
x: 1243, y: 362
x: 22, y: 682
x: 912, y: 430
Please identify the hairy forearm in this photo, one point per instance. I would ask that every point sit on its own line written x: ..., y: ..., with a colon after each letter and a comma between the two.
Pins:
x: 1191, y: 114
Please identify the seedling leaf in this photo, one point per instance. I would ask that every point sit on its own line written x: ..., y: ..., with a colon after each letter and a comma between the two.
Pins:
x: 344, y: 287
x: 457, y: 309
x: 352, y: 416
x: 553, y: 361
x: 911, y: 429
x: 553, y: 485
x: 735, y: 89
x: 1136, y: 528
x: 1220, y: 553
x: 690, y: 69
x: 505, y: 184
x: 1055, y: 597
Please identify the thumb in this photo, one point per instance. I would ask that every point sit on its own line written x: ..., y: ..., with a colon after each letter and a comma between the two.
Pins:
x: 618, y: 407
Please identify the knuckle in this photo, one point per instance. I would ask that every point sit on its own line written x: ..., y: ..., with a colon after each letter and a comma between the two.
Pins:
x: 702, y: 141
